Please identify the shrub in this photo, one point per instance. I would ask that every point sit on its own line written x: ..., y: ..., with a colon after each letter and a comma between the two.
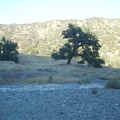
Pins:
x: 115, y: 84
x: 50, y: 79
x: 94, y: 90
x: 15, y: 59
x: 8, y: 50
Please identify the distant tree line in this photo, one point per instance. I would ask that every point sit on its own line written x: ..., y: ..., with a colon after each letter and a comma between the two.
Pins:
x: 8, y: 50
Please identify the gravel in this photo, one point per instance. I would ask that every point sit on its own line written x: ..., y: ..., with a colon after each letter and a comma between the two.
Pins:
x: 59, y: 102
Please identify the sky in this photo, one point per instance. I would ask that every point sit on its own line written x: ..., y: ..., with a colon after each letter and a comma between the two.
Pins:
x: 29, y: 11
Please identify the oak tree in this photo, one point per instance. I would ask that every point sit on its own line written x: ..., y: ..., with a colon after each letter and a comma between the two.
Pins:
x: 88, y: 43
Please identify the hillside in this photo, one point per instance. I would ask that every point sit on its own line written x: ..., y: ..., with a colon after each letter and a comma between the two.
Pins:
x: 37, y: 83
x: 43, y: 37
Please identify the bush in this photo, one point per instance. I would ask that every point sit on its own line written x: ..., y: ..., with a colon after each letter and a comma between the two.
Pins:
x: 115, y: 84
x: 8, y: 50
x: 15, y: 59
x: 50, y: 79
x: 94, y: 90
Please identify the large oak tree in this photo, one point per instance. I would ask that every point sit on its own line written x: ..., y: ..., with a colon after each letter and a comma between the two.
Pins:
x: 88, y: 43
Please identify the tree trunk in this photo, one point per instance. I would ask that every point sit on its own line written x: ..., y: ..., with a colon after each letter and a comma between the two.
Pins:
x: 69, y: 60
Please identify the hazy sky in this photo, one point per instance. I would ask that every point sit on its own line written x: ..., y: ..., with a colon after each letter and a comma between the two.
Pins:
x: 28, y: 11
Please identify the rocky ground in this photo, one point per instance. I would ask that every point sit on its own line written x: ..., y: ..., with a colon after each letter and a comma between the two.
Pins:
x: 59, y: 102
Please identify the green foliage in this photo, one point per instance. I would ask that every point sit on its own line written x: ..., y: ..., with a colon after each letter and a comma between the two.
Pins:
x: 50, y: 79
x: 8, y: 50
x: 115, y: 84
x: 64, y: 53
x: 81, y: 62
x: 92, y: 57
x: 88, y: 43
x: 94, y: 90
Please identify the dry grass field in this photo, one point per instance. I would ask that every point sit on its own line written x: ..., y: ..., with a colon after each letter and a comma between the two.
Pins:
x: 40, y: 69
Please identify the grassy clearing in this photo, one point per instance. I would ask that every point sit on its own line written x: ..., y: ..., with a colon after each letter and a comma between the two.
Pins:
x: 63, y: 72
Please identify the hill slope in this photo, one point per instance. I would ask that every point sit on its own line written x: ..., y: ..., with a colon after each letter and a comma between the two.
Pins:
x: 42, y: 38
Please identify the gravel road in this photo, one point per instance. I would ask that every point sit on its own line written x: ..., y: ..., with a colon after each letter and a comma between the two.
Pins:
x: 59, y: 102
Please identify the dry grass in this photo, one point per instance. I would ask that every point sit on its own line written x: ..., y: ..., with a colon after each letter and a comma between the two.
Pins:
x: 11, y: 66
x: 7, y: 81
x: 109, y: 74
x: 115, y: 84
x: 63, y: 72
x: 50, y: 79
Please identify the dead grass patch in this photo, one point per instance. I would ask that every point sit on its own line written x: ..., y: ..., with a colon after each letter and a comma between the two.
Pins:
x: 110, y: 77
x: 109, y: 74
x: 50, y: 79
x: 72, y: 73
x: 7, y: 81
x: 115, y: 84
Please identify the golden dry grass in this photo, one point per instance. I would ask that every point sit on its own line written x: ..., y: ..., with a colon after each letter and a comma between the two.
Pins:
x: 50, y: 79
